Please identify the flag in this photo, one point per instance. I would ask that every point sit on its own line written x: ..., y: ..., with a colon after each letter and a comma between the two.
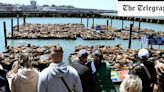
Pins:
x: 144, y: 40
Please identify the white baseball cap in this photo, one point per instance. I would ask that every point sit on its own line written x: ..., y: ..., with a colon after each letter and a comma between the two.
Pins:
x: 82, y: 52
x: 143, y: 53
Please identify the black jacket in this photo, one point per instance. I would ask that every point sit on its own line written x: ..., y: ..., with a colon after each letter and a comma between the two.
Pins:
x: 140, y: 71
x: 4, y: 81
x: 85, y: 75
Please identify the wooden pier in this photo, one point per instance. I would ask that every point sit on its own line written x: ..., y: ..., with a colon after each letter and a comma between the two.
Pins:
x: 79, y: 15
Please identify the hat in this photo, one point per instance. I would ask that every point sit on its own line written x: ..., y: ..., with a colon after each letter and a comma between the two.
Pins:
x: 82, y: 52
x: 1, y: 67
x: 97, y: 52
x: 143, y: 53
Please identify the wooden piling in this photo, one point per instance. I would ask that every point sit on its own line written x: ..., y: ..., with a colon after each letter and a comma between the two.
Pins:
x: 4, y: 25
x: 81, y: 19
x: 133, y: 21
x: 130, y: 36
x: 111, y: 21
x: 107, y: 23
x: 123, y: 23
x: 17, y: 22
x: 12, y: 27
x: 139, y: 26
x: 24, y: 19
x: 87, y: 21
x: 93, y: 22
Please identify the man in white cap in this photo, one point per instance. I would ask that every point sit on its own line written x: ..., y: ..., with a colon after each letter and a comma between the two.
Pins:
x: 83, y: 71
x: 145, y: 70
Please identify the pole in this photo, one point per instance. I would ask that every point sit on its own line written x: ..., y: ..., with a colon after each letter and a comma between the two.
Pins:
x: 12, y: 27
x: 111, y: 21
x: 93, y: 22
x: 87, y: 21
x: 139, y: 26
x: 4, y: 25
x: 81, y: 20
x: 133, y: 21
x: 123, y: 23
x: 107, y: 23
x: 24, y: 19
x: 17, y: 22
x: 130, y: 36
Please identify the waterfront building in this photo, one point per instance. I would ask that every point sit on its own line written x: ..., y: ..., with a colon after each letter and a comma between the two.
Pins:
x: 33, y: 4
x: 7, y: 7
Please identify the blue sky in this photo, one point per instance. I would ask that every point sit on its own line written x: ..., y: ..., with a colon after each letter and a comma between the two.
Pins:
x: 95, y: 4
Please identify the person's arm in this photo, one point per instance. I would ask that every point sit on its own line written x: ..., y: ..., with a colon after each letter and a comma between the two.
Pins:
x: 77, y: 85
x: 12, y: 85
x: 41, y: 84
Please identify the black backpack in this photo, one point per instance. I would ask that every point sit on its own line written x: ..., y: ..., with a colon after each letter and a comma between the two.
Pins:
x: 4, y: 86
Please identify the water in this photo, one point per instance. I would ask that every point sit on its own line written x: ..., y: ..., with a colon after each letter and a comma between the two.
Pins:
x: 69, y: 45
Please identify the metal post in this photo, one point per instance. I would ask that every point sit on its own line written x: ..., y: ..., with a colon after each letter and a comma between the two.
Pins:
x: 12, y: 27
x: 130, y: 36
x: 4, y: 25
x: 107, y: 23
x: 17, y: 22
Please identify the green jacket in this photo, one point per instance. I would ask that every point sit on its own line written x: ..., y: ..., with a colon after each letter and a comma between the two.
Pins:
x: 103, y: 82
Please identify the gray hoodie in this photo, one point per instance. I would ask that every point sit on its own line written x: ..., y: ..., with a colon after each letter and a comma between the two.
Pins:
x: 50, y: 79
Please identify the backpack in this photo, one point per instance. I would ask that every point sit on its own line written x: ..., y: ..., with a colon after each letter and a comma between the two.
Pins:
x: 137, y: 67
x: 4, y: 86
x: 155, y: 86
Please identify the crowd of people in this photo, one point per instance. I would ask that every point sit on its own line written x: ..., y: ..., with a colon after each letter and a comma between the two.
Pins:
x: 81, y: 76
